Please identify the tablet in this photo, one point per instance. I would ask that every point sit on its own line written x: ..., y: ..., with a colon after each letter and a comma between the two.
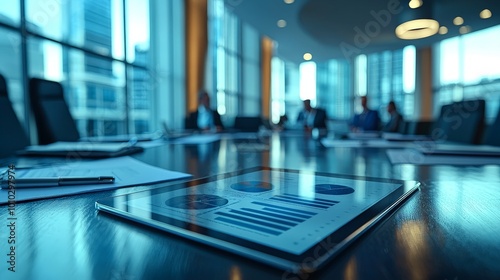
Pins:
x: 289, y: 219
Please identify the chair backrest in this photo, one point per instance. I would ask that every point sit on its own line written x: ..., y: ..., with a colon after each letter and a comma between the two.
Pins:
x: 52, y: 116
x: 418, y: 127
x: 492, y: 134
x: 15, y: 138
x: 190, y: 122
x: 248, y: 124
x: 461, y: 122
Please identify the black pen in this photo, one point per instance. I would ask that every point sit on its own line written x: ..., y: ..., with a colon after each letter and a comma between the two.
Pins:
x: 56, y: 182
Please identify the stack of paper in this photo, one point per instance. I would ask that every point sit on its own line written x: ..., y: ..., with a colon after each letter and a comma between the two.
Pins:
x: 127, y: 172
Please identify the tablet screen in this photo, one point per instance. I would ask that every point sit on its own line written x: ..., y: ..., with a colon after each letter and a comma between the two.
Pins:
x: 277, y: 216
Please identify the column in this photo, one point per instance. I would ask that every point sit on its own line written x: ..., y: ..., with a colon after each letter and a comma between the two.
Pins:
x: 196, y: 49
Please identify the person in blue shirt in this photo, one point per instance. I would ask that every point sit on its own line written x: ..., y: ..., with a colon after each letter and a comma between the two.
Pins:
x: 368, y: 120
x: 204, y: 119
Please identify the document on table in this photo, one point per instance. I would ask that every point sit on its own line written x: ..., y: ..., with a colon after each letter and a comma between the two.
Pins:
x: 197, y: 139
x: 412, y: 156
x: 126, y: 170
x: 368, y: 143
x: 240, y: 135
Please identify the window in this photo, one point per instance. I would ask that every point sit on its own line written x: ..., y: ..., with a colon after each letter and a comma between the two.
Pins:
x: 338, y: 83
x: 467, y: 68
x: 234, y: 51
x: 390, y: 76
x: 137, y: 26
x: 333, y: 80
x: 278, y: 108
x: 11, y: 13
x: 101, y: 52
x: 10, y: 68
x: 93, y: 86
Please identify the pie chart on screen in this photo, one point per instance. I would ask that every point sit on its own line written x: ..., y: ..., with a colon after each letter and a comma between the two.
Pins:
x: 252, y: 186
x: 333, y: 189
x: 196, y: 201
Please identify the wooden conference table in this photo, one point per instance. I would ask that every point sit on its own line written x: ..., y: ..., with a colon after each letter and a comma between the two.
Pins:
x: 450, y: 229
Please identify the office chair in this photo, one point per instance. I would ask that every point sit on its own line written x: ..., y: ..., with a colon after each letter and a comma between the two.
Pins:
x: 417, y: 127
x: 52, y: 116
x: 491, y: 135
x: 460, y: 122
x: 14, y: 137
x: 190, y: 123
x: 247, y: 124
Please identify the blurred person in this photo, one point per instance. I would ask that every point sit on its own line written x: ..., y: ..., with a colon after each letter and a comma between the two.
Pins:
x: 311, y: 117
x: 396, y: 121
x: 367, y: 120
x: 204, y: 118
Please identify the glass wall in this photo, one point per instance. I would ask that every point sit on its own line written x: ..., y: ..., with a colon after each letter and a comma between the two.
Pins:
x: 390, y: 75
x: 334, y: 88
x: 234, y: 54
x: 467, y: 68
x: 10, y: 66
x: 339, y: 83
x: 99, y: 50
x: 285, y: 90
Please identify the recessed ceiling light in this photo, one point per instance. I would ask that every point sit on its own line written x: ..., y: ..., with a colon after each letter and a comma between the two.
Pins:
x: 415, y: 4
x: 443, y: 30
x: 281, y: 23
x: 458, y: 21
x: 289, y: 1
x: 464, y: 29
x: 484, y: 14
x: 307, y: 56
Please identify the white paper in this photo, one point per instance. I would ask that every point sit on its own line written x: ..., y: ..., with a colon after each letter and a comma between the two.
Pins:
x: 363, y: 135
x: 241, y: 135
x: 411, y: 156
x: 337, y: 143
x: 79, y: 146
x: 197, y: 139
x: 368, y: 143
x: 126, y: 170
x: 151, y: 144
x: 404, y: 137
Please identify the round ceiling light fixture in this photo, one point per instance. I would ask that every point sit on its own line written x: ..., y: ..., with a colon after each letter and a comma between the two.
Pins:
x: 458, y: 21
x: 417, y: 29
x: 307, y: 56
x: 443, y: 30
x: 416, y: 21
x: 415, y: 4
x: 484, y: 14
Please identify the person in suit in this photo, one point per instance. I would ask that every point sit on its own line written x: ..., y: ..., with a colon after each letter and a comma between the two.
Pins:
x: 368, y: 120
x: 396, y: 120
x: 204, y: 118
x: 311, y: 117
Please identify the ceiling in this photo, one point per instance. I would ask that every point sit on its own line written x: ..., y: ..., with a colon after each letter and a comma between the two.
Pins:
x: 345, y: 28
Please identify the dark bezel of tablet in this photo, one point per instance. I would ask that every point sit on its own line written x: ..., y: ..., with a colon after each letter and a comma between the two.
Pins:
x: 308, y: 261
